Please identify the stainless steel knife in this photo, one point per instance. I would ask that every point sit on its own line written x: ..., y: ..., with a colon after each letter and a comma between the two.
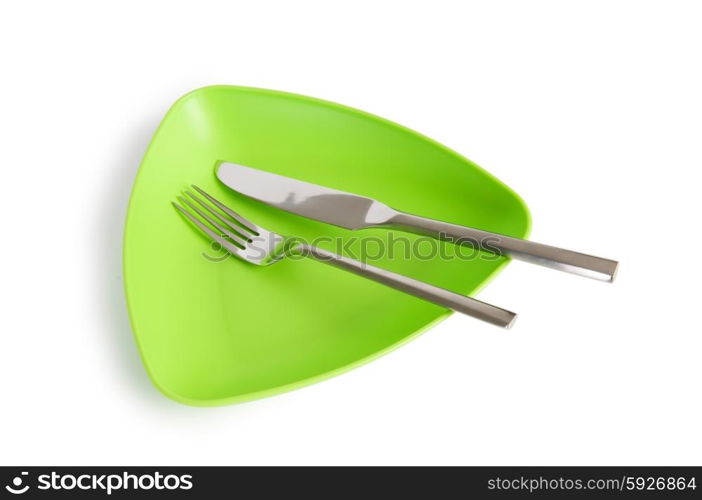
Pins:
x: 353, y: 211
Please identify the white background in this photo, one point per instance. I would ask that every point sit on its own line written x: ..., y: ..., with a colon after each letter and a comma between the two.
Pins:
x: 591, y: 110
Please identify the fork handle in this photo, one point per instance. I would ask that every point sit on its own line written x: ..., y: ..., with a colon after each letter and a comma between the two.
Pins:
x: 435, y: 294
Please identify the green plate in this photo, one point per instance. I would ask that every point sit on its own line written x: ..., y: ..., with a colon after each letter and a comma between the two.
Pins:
x: 215, y: 331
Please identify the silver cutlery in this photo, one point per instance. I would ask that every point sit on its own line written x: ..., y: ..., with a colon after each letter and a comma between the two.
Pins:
x: 250, y: 242
x: 352, y: 211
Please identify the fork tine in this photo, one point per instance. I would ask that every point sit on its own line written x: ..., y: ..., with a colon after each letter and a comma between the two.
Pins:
x: 233, y: 249
x: 227, y: 222
x: 222, y: 230
x: 231, y: 213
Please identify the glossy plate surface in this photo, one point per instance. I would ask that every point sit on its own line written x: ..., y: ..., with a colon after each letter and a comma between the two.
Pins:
x: 215, y: 330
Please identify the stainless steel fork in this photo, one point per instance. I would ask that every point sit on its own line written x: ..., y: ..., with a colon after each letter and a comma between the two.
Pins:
x: 248, y: 241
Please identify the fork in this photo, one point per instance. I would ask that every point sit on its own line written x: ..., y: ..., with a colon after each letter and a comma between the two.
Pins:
x: 252, y: 243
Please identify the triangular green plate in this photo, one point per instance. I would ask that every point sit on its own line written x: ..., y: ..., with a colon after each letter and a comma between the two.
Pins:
x: 214, y: 332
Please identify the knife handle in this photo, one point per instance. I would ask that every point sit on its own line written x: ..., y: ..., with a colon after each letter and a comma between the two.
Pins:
x: 441, y: 296
x: 529, y: 251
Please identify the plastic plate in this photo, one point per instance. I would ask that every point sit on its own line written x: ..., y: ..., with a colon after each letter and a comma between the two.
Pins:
x: 215, y: 330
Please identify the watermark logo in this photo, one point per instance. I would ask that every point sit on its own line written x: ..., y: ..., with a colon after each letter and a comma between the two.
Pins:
x: 102, y: 483
x: 17, y: 488
x: 370, y: 248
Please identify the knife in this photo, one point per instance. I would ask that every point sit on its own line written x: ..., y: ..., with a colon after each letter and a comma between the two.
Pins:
x: 353, y: 211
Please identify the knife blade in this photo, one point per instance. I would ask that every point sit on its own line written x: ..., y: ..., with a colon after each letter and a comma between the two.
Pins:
x: 336, y: 207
